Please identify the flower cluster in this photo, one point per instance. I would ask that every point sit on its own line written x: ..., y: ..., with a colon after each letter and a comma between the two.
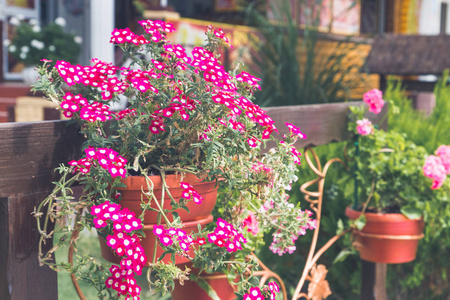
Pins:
x: 226, y: 236
x: 255, y: 293
x: 437, y: 167
x: 157, y: 29
x: 169, y: 235
x: 124, y: 223
x: 251, y: 222
x: 374, y: 98
x: 190, y: 194
x: 100, y: 75
x: 364, y: 127
x: 107, y: 158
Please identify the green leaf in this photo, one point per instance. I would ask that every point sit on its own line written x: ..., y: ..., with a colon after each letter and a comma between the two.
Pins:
x: 412, y: 213
x: 340, y: 227
x: 205, y: 286
x: 360, y: 222
x: 343, y: 255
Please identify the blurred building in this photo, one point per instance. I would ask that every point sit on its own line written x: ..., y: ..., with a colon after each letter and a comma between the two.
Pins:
x: 93, y: 20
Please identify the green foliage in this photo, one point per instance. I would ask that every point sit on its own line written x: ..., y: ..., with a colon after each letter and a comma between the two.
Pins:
x: 31, y: 43
x: 292, y: 70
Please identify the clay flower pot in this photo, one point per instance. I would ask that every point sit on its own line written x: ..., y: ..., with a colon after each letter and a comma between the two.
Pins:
x: 198, y: 213
x: 387, y: 238
x: 131, y: 196
x: 191, y: 290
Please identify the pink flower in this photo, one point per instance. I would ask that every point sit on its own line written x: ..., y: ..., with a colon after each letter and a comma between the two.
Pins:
x: 295, y: 130
x: 444, y: 153
x: 434, y: 169
x: 251, y: 223
x: 374, y: 98
x: 364, y: 127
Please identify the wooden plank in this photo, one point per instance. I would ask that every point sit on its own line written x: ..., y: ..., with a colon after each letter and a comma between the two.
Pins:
x: 322, y: 123
x: 21, y: 277
x: 29, y: 152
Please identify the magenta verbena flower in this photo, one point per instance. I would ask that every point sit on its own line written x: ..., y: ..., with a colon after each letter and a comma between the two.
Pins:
x: 107, y: 158
x: 190, y: 193
x: 122, y: 277
x: 295, y: 130
x: 226, y: 236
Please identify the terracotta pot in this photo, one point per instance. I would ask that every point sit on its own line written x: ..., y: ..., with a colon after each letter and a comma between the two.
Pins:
x: 131, y: 196
x: 387, y: 238
x: 148, y: 243
x: 191, y: 290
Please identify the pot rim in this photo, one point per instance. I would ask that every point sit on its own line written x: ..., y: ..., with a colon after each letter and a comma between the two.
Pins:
x: 172, y: 180
x: 390, y: 217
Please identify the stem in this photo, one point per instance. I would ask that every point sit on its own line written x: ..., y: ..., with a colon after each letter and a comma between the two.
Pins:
x: 370, y: 197
x: 355, y: 192
x: 74, y: 236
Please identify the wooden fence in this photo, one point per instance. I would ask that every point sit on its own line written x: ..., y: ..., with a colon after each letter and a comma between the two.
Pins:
x: 29, y: 152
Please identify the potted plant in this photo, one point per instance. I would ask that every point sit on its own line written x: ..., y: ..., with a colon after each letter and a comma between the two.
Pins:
x: 390, y: 183
x: 32, y: 42
x: 151, y: 172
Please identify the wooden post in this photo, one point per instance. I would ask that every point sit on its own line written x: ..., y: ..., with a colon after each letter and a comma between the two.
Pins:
x: 373, y: 281
x: 29, y: 152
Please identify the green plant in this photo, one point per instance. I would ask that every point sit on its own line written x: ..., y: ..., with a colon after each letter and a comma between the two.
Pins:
x: 31, y: 42
x: 185, y: 114
x: 388, y: 167
x: 293, y: 69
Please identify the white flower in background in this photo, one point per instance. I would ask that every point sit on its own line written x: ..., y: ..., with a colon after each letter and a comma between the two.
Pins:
x: 14, y: 21
x: 20, y: 17
x: 25, y: 49
x: 6, y: 42
x: 36, y: 28
x: 12, y: 48
x: 60, y: 21
x: 23, y: 55
x: 51, y: 48
x: 33, y: 22
x: 37, y: 44
x: 78, y: 39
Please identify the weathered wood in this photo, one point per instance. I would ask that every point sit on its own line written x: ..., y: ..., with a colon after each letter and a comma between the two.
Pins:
x: 29, y: 152
x: 373, y: 281
x: 322, y: 123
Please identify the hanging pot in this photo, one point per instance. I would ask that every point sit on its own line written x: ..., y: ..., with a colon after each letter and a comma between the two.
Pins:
x: 131, y: 196
x: 191, y: 290
x: 387, y: 238
x: 148, y: 243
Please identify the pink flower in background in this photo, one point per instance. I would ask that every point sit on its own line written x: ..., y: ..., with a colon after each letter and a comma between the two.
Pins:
x: 364, y: 127
x: 374, y: 98
x: 444, y: 153
x: 434, y: 169
x: 251, y: 223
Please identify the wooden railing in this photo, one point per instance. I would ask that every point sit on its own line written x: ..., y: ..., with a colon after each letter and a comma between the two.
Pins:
x: 29, y: 152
